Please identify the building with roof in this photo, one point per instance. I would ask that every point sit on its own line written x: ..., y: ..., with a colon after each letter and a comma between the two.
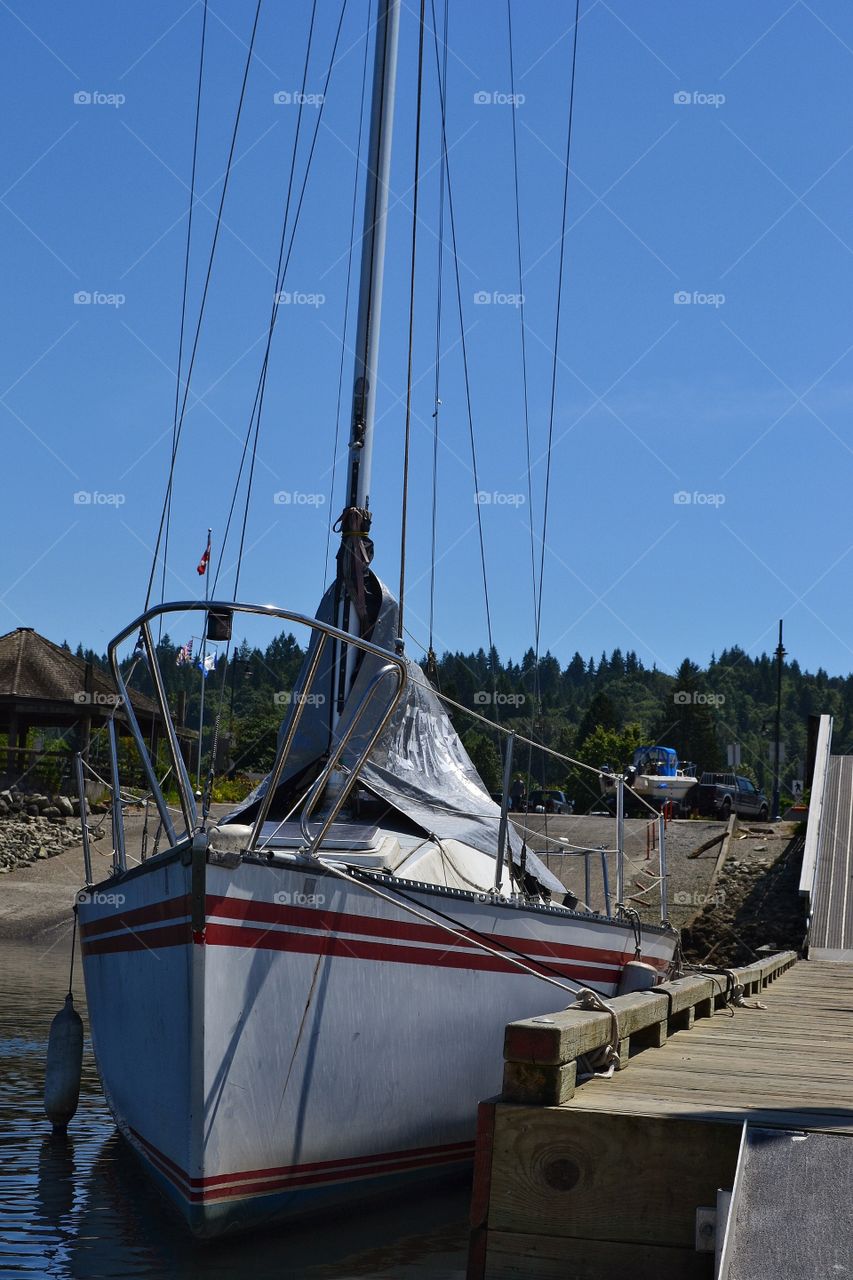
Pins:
x: 43, y: 685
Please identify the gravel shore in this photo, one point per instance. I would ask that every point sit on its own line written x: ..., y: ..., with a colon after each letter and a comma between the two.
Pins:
x: 38, y: 895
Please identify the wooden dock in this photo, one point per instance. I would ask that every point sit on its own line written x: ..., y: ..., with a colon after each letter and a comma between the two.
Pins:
x: 620, y: 1177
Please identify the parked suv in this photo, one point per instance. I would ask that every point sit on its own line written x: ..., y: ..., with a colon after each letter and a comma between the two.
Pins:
x: 721, y: 794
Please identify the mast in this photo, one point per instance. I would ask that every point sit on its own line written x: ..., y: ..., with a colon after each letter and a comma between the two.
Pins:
x: 356, y: 549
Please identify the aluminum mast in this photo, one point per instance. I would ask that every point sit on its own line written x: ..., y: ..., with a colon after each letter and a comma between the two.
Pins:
x: 355, y: 520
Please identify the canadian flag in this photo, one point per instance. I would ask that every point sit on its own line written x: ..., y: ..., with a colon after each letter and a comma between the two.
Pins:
x: 205, y: 559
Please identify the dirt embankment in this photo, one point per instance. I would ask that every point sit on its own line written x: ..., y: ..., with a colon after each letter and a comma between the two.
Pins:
x: 755, y: 902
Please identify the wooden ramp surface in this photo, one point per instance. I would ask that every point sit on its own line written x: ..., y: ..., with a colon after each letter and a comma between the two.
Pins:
x: 789, y: 1064
x: 791, y: 1210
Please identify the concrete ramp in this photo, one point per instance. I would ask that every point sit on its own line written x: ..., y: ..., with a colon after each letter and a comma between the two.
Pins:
x: 790, y: 1216
x: 831, y: 925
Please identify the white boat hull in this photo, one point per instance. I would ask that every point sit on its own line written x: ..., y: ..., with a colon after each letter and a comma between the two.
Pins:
x: 309, y: 1042
x: 658, y: 789
x: 653, y: 788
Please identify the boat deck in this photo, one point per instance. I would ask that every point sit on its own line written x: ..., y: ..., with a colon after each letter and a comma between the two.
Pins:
x: 617, y: 1177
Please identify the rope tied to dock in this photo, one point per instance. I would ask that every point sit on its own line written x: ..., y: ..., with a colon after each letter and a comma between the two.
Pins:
x: 601, y: 1062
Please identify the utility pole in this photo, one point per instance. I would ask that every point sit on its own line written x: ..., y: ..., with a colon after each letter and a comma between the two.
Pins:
x: 780, y: 657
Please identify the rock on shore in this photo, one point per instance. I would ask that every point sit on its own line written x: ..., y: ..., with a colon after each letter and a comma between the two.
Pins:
x: 35, y: 826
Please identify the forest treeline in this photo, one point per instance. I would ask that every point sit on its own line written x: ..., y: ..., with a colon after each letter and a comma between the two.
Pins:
x: 596, y: 711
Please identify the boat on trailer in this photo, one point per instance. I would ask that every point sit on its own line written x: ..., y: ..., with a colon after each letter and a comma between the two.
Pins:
x: 655, y: 777
x: 301, y: 1004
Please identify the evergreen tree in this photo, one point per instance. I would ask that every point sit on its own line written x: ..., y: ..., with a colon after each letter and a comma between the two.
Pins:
x: 687, y: 719
x: 600, y: 714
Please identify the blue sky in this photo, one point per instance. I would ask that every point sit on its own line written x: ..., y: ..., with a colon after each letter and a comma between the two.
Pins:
x: 702, y: 464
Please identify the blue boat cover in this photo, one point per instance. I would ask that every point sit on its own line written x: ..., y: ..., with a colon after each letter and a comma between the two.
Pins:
x: 659, y: 761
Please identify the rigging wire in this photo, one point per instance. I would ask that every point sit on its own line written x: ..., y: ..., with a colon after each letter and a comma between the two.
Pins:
x: 227, y: 655
x: 280, y: 276
x: 433, y: 672
x: 205, y: 290
x: 464, y: 346
x: 347, y: 291
x: 557, y: 319
x: 284, y: 262
x: 257, y: 406
x: 408, y: 429
x: 521, y: 299
x: 537, y: 696
x: 262, y: 381
x: 281, y: 271
x: 184, y: 299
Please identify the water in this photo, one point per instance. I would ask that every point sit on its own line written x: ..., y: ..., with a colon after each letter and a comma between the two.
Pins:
x: 82, y: 1207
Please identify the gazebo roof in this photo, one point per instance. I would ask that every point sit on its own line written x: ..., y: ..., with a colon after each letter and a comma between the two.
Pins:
x: 35, y: 671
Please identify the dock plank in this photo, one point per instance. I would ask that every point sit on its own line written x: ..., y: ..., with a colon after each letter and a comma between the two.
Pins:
x: 758, y: 1063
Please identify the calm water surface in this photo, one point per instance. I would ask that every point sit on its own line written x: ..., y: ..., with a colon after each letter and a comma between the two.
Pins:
x: 82, y: 1207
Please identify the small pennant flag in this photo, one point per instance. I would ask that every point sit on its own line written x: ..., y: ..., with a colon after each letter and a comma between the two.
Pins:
x: 185, y: 654
x: 205, y: 559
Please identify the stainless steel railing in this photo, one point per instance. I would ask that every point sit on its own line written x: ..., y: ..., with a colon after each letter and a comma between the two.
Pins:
x: 393, y: 667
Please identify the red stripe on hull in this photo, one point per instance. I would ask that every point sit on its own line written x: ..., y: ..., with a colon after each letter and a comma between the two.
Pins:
x: 347, y: 922
x: 372, y: 944
x: 173, y: 935
x: 169, y: 909
x: 245, y: 937
x: 293, y: 1177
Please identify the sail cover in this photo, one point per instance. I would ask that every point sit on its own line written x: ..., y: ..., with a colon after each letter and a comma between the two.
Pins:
x: 418, y: 765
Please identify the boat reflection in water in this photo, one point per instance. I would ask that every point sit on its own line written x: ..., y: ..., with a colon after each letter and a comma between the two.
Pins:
x: 125, y: 1228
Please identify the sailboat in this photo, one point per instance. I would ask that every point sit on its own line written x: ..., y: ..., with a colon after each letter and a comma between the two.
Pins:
x: 300, y: 1006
